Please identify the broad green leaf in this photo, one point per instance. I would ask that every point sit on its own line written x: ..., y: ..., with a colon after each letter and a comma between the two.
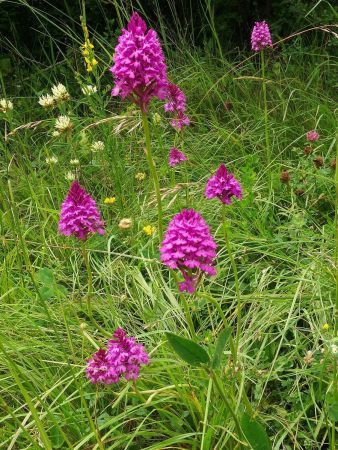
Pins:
x: 56, y: 437
x: 45, y: 276
x: 255, y: 433
x: 221, y: 341
x: 188, y: 350
x: 333, y: 412
x: 46, y: 292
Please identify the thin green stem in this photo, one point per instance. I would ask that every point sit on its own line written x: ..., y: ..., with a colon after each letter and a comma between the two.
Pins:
x: 238, y: 294
x: 153, y: 173
x: 89, y: 278
x: 266, y: 126
x: 225, y: 398
x: 335, y: 374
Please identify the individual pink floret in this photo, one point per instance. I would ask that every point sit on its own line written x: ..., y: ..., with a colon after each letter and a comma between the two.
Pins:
x: 189, y: 247
x: 223, y: 185
x: 79, y: 214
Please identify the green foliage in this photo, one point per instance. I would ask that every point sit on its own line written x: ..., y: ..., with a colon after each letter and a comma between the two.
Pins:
x: 255, y: 433
x: 188, y: 350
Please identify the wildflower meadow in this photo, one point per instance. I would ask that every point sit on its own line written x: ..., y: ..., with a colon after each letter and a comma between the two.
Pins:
x: 168, y: 227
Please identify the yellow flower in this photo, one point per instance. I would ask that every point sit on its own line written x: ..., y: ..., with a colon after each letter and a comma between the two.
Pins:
x: 326, y: 326
x: 89, y: 68
x: 109, y: 200
x: 140, y: 176
x: 94, y: 62
x: 85, y: 52
x: 149, y: 230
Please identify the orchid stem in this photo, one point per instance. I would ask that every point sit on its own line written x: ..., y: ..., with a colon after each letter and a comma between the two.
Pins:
x: 153, y: 173
x: 238, y: 294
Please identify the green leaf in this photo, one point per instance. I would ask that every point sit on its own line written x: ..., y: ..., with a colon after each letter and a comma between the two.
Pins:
x: 56, y: 437
x: 188, y: 350
x: 221, y: 341
x: 45, y: 276
x: 333, y: 412
x: 46, y: 292
x: 255, y: 433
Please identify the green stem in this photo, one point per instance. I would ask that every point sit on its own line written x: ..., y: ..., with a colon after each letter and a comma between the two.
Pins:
x: 266, y: 127
x: 89, y: 278
x: 335, y: 374
x: 153, y: 173
x: 238, y: 294
x: 225, y: 398
x: 186, y: 309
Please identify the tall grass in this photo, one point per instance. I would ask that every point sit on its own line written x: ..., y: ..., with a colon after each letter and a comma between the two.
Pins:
x: 283, y: 244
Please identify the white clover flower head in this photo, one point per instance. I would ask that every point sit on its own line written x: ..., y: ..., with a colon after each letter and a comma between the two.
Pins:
x: 56, y: 133
x: 97, y: 146
x: 5, y: 106
x: 62, y: 124
x: 125, y: 224
x: 74, y: 162
x: 60, y: 92
x: 70, y: 176
x: 52, y: 160
x: 334, y: 349
x: 89, y: 89
x: 46, y: 101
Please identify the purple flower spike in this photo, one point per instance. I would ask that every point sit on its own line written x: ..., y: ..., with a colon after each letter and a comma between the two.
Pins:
x: 123, y: 357
x: 223, y: 185
x: 189, y: 247
x: 176, y: 157
x: 312, y: 136
x: 260, y: 36
x: 79, y: 214
x: 140, y: 72
x: 176, y: 103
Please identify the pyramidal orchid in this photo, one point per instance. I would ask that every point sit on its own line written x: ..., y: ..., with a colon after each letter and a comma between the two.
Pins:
x: 176, y: 157
x: 123, y: 357
x: 79, y: 214
x: 189, y: 247
x: 223, y: 185
x: 139, y: 69
x: 260, y: 36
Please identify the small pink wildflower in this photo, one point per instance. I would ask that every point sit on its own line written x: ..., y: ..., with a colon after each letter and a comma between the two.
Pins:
x: 189, y: 247
x: 260, y: 36
x: 123, y: 357
x: 223, y: 185
x: 140, y: 72
x: 79, y: 214
x: 176, y: 103
x: 312, y: 136
x: 176, y: 157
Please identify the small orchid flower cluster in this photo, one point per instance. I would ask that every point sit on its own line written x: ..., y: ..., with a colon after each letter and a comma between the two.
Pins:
x: 188, y: 245
x: 140, y: 72
x: 123, y: 357
x: 260, y: 36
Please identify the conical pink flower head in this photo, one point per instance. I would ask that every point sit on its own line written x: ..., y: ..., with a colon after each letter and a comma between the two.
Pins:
x: 223, y: 185
x: 189, y: 247
x: 123, y: 357
x: 176, y: 103
x: 176, y: 157
x: 79, y: 214
x: 260, y: 36
x: 140, y: 72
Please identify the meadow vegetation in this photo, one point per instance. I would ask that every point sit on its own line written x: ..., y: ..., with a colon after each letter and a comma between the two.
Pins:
x: 257, y: 365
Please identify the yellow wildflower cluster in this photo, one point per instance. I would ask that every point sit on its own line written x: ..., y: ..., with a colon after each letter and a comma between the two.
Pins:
x: 87, y: 49
x: 149, y: 230
x: 109, y: 200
